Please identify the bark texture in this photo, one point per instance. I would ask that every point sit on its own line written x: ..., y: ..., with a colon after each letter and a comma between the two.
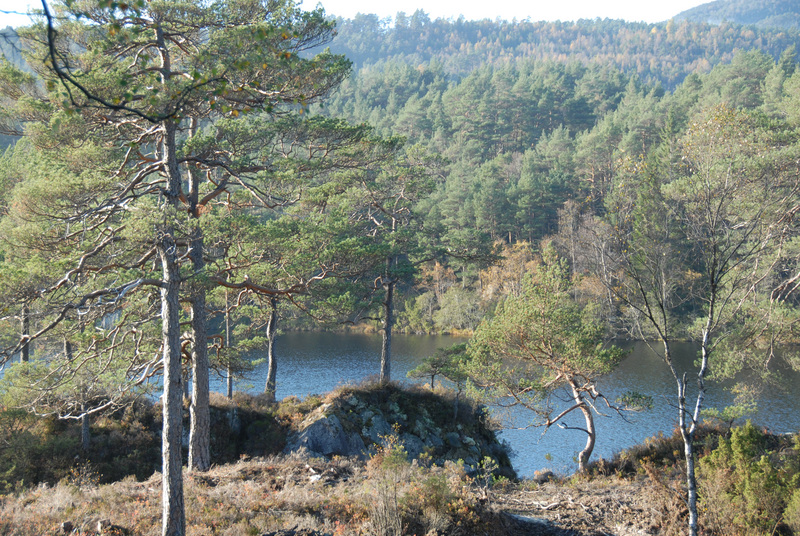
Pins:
x: 386, y: 332
x: 228, y: 343
x: 173, y: 520
x: 272, y: 330
x: 591, y: 434
x: 200, y: 419
x: 199, y: 411
x: 173, y: 514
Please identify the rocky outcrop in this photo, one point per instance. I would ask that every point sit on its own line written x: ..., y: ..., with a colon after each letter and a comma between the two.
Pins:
x: 356, y: 421
x: 323, y: 434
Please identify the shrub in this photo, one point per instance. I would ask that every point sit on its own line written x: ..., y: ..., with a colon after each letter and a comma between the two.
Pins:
x: 745, y: 487
x: 388, y: 470
x: 408, y: 498
x: 33, y: 449
x: 792, y: 512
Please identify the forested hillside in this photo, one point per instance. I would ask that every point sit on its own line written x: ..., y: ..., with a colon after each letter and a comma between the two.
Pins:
x: 189, y: 176
x: 764, y: 14
x: 528, y: 146
x: 532, y: 120
x: 659, y: 163
x: 664, y: 52
x: 524, y: 125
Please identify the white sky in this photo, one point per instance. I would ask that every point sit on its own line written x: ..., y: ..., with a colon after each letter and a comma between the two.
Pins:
x: 551, y: 10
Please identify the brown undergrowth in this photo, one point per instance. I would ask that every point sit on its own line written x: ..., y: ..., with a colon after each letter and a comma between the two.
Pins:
x: 749, y: 481
x: 386, y: 495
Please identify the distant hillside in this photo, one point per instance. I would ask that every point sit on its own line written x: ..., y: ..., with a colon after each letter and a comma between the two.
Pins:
x: 763, y: 14
x: 9, y: 46
x: 10, y: 49
x: 664, y: 53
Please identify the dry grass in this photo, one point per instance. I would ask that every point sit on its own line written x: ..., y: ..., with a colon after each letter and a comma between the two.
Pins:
x: 344, y: 496
x: 637, y: 492
x: 256, y: 496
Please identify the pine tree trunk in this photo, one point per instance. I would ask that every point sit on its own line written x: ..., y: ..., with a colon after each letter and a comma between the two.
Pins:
x: 228, y: 342
x: 25, y: 352
x: 86, y: 435
x: 173, y: 520
x: 272, y: 369
x: 386, y: 332
x: 200, y: 417
x: 186, y: 380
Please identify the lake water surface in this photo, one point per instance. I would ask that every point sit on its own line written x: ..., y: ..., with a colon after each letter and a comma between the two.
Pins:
x: 315, y: 363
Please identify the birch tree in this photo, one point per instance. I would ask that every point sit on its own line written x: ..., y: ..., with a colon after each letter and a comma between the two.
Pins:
x: 696, y: 237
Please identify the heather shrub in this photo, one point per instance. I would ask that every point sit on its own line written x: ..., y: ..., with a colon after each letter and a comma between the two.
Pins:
x: 792, y: 512
x: 33, y: 449
x: 746, y: 486
x: 388, y: 472
x: 403, y: 497
x: 125, y: 442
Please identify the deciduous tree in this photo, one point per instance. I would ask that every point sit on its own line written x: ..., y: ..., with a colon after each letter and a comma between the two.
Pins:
x: 696, y: 237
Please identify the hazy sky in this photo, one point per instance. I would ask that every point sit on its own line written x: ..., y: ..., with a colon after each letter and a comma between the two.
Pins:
x: 630, y: 10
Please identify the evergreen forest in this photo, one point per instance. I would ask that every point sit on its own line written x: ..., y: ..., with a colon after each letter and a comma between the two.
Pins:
x: 181, y: 181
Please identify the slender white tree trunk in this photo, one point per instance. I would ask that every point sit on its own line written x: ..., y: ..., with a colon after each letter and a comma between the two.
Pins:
x: 687, y: 427
x: 591, y: 434
x: 691, y: 427
x: 585, y: 454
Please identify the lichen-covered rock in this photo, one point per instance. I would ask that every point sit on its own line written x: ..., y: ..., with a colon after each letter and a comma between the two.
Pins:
x: 434, y: 441
x: 414, y: 445
x: 377, y: 429
x: 453, y: 440
x: 355, y: 421
x: 323, y: 434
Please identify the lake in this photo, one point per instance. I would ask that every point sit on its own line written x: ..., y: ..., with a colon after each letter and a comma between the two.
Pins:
x: 315, y: 363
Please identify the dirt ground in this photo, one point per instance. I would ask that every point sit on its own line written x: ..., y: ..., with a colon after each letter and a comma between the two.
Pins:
x: 604, y: 506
